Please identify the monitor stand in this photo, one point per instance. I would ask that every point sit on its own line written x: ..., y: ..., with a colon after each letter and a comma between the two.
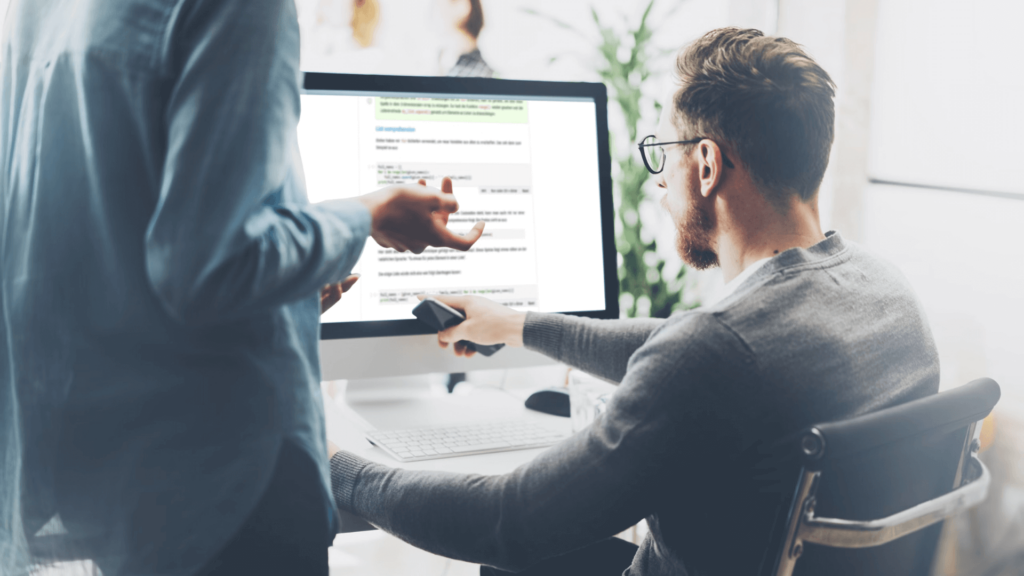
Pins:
x: 424, y: 401
x: 394, y: 386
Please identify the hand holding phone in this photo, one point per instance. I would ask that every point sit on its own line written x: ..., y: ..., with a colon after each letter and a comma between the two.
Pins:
x: 440, y: 316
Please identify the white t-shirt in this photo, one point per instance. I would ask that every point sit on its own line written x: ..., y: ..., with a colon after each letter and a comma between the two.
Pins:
x: 747, y: 273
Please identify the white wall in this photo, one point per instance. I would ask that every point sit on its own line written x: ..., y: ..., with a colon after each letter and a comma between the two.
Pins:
x: 929, y: 94
x: 946, y: 112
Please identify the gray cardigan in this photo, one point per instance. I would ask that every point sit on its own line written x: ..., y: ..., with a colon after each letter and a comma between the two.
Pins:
x: 693, y: 437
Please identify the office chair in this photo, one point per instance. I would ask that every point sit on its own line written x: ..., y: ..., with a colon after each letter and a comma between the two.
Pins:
x: 873, y: 491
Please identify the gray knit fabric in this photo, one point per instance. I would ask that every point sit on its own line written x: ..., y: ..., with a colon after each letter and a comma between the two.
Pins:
x: 692, y: 437
x: 471, y: 64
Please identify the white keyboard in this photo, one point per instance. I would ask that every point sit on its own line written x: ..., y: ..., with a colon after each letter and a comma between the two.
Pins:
x: 429, y: 443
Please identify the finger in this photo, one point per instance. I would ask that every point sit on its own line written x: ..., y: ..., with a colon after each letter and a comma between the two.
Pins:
x: 347, y: 283
x: 441, y: 343
x: 417, y: 248
x: 422, y: 182
x: 333, y: 296
x: 446, y: 188
x: 446, y: 201
x: 453, y: 334
x: 464, y: 351
x: 457, y: 302
x: 450, y: 239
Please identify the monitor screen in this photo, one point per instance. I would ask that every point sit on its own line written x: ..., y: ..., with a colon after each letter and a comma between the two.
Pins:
x: 528, y: 165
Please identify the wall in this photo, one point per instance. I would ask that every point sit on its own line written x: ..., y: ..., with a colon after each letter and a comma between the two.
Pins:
x: 927, y: 172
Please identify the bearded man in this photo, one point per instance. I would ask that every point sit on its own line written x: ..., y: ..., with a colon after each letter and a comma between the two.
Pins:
x: 812, y: 328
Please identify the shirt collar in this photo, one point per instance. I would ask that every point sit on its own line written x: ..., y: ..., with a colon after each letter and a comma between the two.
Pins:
x: 831, y: 246
x: 742, y: 276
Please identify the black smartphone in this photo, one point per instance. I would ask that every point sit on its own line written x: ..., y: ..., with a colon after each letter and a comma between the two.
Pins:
x: 440, y: 316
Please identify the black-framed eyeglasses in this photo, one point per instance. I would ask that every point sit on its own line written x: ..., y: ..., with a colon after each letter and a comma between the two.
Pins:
x: 653, y: 152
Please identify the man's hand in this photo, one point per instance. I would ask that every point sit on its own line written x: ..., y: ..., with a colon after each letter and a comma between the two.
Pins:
x: 486, y: 323
x: 414, y: 217
x: 332, y: 449
x: 331, y: 294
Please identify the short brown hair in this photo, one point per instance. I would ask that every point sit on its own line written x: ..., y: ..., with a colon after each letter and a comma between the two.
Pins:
x: 475, y: 20
x: 766, y: 99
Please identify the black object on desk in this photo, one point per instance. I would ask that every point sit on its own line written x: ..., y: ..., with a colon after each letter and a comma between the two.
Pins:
x: 440, y: 316
x: 554, y: 401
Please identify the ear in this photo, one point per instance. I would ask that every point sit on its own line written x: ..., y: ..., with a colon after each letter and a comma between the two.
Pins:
x: 710, y: 165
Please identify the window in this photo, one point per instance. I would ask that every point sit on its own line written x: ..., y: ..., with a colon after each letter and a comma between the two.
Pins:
x: 948, y: 104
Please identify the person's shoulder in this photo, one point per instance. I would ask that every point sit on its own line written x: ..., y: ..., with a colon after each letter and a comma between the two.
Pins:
x: 695, y: 336
x: 864, y: 257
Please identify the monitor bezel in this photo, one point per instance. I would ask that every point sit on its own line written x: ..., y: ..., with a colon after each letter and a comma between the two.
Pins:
x: 324, y: 82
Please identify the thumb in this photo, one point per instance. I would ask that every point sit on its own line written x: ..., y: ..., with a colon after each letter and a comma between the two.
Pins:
x: 450, y: 239
x: 347, y: 283
x: 457, y: 302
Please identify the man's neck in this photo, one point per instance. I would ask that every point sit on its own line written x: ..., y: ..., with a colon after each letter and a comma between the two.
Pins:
x: 757, y: 234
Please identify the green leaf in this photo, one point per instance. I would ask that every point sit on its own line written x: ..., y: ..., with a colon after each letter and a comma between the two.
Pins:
x: 665, y: 294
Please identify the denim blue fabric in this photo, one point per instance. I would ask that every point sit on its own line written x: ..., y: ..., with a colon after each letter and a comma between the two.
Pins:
x: 159, y: 270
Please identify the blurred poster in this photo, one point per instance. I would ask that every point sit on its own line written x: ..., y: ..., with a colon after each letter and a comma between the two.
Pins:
x: 423, y: 38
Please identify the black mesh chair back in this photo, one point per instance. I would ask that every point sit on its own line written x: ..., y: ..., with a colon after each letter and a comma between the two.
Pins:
x: 874, y: 490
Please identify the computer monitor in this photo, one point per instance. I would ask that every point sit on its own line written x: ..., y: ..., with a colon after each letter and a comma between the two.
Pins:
x: 528, y: 158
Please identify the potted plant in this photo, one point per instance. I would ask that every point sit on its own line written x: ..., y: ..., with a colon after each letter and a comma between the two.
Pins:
x: 647, y: 287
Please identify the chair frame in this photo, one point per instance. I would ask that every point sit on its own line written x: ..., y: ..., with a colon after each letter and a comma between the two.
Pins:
x: 970, y: 487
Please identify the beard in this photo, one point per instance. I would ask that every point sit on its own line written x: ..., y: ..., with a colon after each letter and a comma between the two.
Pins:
x: 694, y: 238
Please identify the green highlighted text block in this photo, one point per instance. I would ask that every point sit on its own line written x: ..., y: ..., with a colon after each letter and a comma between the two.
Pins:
x: 451, y: 110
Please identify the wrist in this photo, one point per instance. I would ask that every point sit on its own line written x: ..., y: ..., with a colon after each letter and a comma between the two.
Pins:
x: 372, y: 202
x: 516, y: 322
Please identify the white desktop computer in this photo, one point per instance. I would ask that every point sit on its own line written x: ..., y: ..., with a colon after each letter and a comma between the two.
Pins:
x: 528, y: 158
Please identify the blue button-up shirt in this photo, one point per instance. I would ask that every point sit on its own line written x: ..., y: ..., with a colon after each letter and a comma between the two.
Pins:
x: 159, y: 271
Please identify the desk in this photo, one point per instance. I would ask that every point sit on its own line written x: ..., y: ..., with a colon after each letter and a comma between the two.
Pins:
x: 350, y: 413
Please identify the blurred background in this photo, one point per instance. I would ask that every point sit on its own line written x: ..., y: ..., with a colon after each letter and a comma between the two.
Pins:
x: 927, y: 170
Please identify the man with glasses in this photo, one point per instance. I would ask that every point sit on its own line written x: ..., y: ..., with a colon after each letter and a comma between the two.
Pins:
x: 696, y: 439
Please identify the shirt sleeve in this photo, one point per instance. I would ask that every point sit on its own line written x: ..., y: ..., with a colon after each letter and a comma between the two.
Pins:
x: 598, y: 347
x: 589, y: 487
x: 232, y: 232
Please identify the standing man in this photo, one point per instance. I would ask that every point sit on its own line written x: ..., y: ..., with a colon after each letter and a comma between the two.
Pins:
x: 159, y: 270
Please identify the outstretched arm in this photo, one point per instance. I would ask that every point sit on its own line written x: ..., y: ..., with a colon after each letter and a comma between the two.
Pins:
x: 589, y: 487
x: 599, y: 347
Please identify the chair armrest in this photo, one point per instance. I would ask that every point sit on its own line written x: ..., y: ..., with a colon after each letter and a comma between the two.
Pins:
x: 840, y: 533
